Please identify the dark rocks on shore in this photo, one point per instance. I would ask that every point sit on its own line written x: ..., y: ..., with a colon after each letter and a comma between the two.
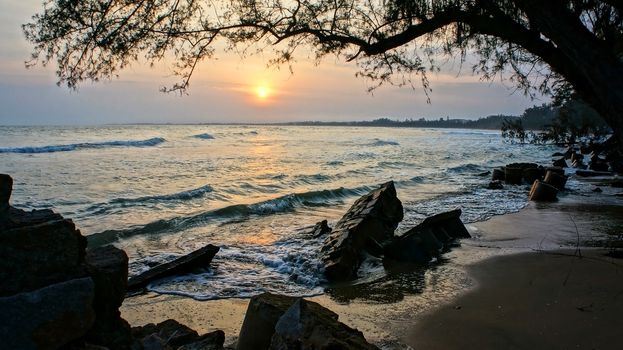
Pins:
x: 542, y: 192
x: 498, y: 174
x: 370, y: 221
x: 6, y: 187
x: 560, y: 163
x: 199, y: 258
x: 555, y: 179
x: 278, y: 322
x: 427, y: 240
x: 171, y: 334
x: 48, y: 317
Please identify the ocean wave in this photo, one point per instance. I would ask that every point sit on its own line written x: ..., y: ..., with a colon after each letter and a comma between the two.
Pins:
x: 467, y: 168
x: 116, y: 203
x: 379, y: 142
x: 204, y: 136
x: 283, y: 204
x: 85, y: 145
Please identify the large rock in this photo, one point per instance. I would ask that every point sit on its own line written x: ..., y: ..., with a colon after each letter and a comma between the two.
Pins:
x: 370, y: 221
x: 174, y: 333
x: 265, y: 311
x: 302, y: 327
x: 108, y: 267
x: 209, y: 341
x: 47, y: 318
x: 199, y: 258
x: 428, y: 239
x: 38, y: 248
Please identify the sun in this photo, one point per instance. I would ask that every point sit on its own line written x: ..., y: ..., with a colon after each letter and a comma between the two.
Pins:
x: 262, y: 92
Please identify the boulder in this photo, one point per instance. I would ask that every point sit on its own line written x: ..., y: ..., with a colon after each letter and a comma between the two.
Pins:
x: 108, y: 267
x: 199, y: 258
x: 263, y: 313
x: 513, y: 176
x: 498, y: 174
x: 428, y: 239
x: 38, y: 248
x: 370, y: 221
x: 301, y: 327
x: 577, y: 157
x: 531, y: 174
x: 320, y: 229
x: 556, y: 180
x: 555, y: 169
x: 174, y: 333
x: 541, y: 191
x: 209, y: 341
x: 47, y: 318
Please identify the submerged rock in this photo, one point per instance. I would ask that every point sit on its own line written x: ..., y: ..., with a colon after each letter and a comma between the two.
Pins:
x: 370, y: 221
x: 197, y: 259
x: 543, y: 192
x: 47, y: 318
x: 428, y: 239
x: 561, y: 163
x: 320, y: 229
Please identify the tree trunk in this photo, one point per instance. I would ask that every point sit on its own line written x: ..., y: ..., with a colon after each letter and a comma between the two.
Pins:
x: 592, y: 68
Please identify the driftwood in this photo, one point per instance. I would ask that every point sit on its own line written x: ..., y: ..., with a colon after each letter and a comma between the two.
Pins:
x: 197, y: 259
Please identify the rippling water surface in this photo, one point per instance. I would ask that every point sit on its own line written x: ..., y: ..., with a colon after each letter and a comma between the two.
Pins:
x: 161, y: 191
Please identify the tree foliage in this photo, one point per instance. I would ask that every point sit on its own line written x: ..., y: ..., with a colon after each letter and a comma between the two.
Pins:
x: 537, y: 45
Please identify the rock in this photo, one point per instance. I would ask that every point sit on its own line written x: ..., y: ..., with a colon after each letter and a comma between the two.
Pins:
x: 556, y: 180
x: 555, y: 169
x: 541, y: 191
x: 560, y: 163
x: 495, y: 185
x: 373, y: 217
x: 513, y: 176
x: 498, y: 174
x: 174, y: 333
x: 303, y: 328
x: 558, y: 154
x: 531, y: 174
x: 47, y: 318
x: 38, y: 248
x: 426, y: 240
x: 262, y: 315
x: 590, y: 173
x: 617, y: 183
x: 209, y: 341
x: 108, y: 267
x: 154, y: 342
x: 198, y: 259
x: 598, y: 165
x: 576, y: 157
x: 6, y: 187
x: 586, y: 149
x: 320, y: 229
x: 597, y: 190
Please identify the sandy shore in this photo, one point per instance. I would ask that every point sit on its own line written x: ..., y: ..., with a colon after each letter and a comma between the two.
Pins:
x: 510, y: 287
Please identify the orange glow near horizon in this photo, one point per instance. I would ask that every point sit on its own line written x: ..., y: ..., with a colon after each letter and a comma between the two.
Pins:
x: 262, y: 92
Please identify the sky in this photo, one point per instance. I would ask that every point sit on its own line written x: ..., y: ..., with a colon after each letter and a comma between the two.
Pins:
x: 228, y: 89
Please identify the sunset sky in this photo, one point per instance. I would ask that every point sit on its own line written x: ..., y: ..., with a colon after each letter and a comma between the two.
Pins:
x: 228, y: 89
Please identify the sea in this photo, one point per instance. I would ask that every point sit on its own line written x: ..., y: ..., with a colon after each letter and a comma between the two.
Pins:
x: 161, y: 191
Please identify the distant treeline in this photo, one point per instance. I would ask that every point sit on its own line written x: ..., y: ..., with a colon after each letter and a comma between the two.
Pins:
x: 534, y: 118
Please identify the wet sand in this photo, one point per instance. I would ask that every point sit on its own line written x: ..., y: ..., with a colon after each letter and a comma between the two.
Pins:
x: 531, y: 301
x: 518, y: 284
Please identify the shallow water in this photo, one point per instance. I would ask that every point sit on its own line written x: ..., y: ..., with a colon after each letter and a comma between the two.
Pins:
x: 161, y: 191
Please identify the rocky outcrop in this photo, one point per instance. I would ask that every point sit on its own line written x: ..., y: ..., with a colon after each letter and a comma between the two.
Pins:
x: 427, y: 240
x: 302, y: 327
x: 370, y: 221
x: 49, y: 317
x: 199, y: 258
x: 38, y: 248
x: 108, y: 267
x: 282, y: 322
x: 171, y: 334
x: 6, y: 187
x: 542, y: 192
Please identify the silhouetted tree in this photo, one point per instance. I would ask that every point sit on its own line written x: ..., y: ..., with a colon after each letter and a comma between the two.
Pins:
x: 534, y: 43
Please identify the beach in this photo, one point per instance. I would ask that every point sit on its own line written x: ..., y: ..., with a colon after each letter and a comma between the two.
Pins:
x: 522, y: 282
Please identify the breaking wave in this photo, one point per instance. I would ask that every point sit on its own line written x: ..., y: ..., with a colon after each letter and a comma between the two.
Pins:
x: 85, y: 145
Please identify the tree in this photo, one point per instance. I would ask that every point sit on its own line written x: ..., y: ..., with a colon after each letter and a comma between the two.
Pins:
x: 539, y: 45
